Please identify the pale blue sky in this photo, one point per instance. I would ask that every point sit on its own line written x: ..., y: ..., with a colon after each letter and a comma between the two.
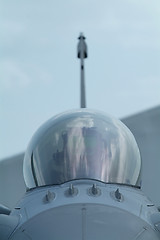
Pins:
x: 39, y: 72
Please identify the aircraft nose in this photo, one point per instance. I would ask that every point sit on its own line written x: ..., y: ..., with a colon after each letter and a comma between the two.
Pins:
x: 86, y: 221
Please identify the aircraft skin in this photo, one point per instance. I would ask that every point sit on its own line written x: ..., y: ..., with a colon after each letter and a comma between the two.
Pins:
x: 82, y: 171
x: 56, y: 213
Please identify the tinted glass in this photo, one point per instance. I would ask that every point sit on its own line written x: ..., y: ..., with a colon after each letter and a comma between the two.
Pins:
x: 79, y: 145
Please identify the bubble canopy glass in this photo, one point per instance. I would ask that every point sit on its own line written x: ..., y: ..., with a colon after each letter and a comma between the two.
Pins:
x: 82, y: 144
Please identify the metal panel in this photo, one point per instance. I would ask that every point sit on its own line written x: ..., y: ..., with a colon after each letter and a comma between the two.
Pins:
x: 145, y: 126
x: 12, y: 186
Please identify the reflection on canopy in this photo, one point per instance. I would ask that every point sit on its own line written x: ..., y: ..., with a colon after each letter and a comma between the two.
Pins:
x: 82, y: 145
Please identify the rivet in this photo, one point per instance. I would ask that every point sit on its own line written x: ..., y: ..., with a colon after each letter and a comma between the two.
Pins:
x: 49, y: 196
x: 72, y: 191
x: 94, y: 191
x: 116, y: 195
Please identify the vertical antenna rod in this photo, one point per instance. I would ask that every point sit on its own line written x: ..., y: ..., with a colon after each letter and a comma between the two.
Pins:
x: 82, y: 54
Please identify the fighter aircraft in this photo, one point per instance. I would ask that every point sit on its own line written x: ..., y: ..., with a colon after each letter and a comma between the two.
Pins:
x: 82, y: 171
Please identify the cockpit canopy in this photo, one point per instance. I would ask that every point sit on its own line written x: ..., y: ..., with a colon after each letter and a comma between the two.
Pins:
x: 82, y: 144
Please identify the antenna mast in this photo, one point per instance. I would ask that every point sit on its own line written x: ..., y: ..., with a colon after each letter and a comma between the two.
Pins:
x: 82, y: 54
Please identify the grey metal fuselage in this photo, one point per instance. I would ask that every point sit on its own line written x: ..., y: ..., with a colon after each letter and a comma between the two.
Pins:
x: 82, y: 209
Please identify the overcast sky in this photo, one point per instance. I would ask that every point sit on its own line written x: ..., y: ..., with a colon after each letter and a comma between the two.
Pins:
x: 39, y: 71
